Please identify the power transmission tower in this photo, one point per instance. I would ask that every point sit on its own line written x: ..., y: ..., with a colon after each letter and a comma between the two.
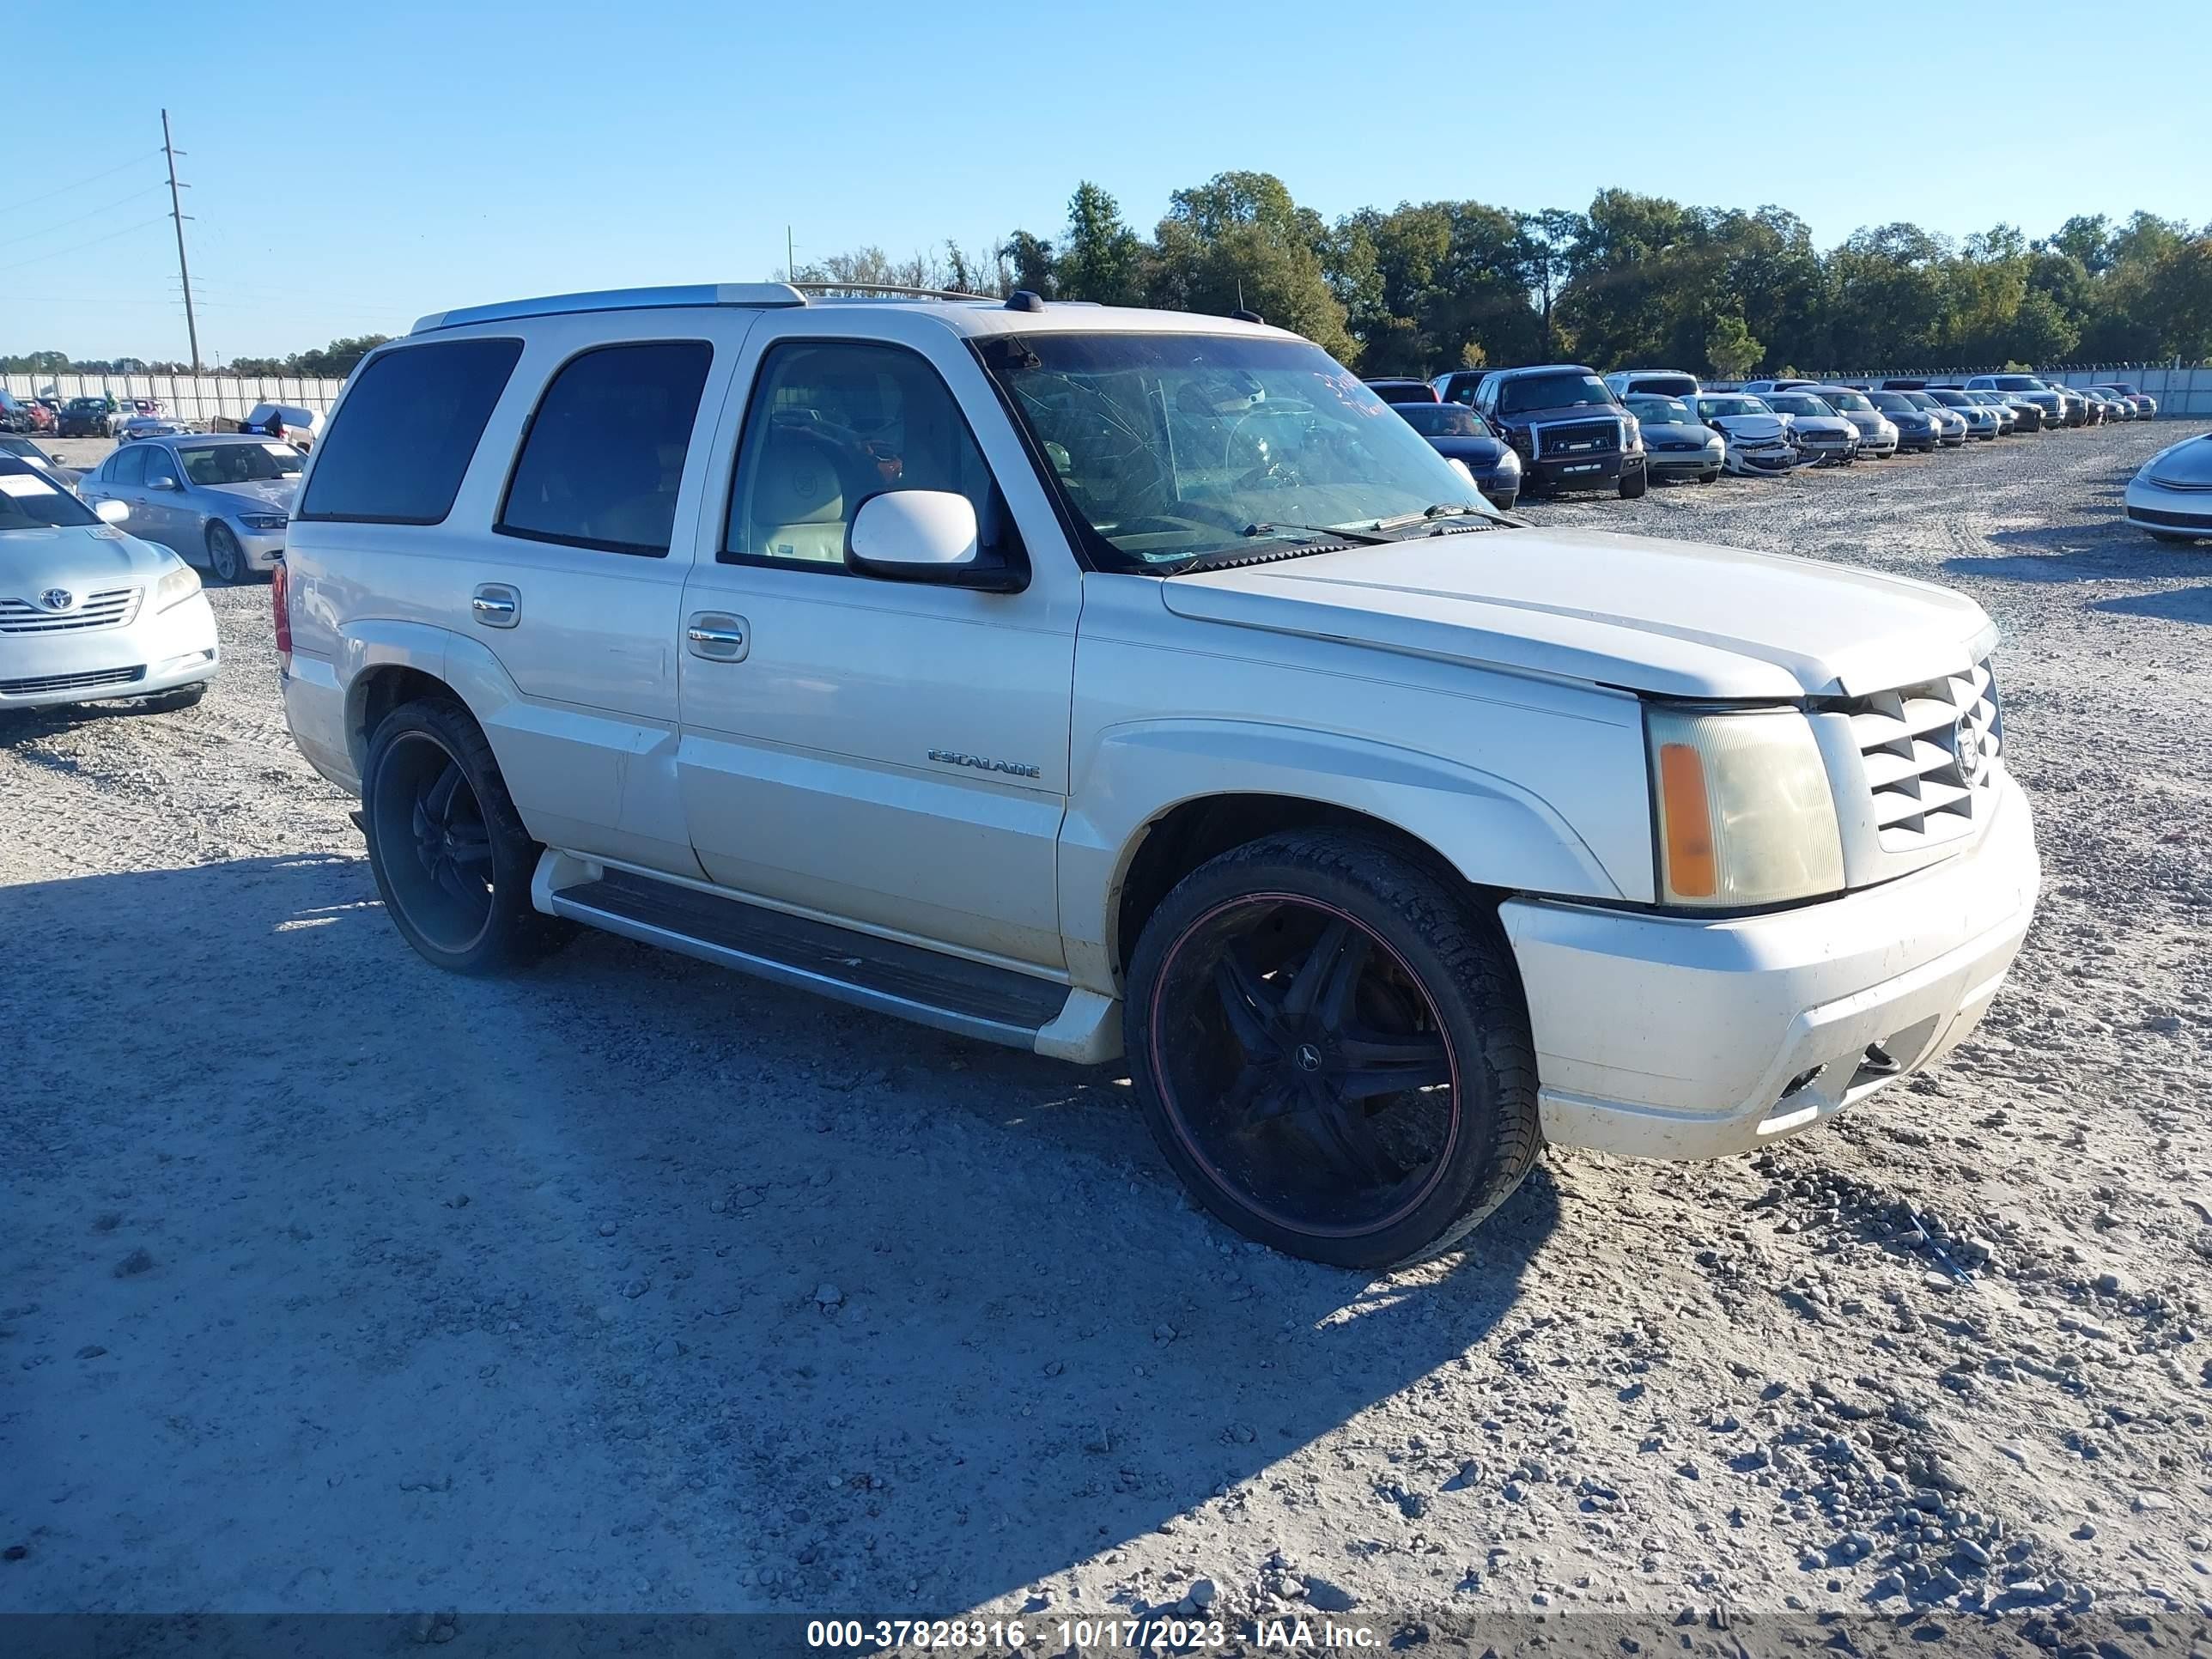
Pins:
x: 178, y: 213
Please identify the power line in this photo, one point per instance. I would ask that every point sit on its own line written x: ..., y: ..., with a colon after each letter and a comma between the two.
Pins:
x: 59, y: 251
x: 29, y: 235
x: 32, y: 201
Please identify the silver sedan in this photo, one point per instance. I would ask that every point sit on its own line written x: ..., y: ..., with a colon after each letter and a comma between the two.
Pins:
x: 224, y: 499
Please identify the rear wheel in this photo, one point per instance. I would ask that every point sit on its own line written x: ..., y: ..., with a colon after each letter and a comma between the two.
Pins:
x: 1332, y: 1050
x: 448, y: 850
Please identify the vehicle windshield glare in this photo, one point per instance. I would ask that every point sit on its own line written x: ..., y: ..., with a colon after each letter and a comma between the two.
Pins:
x: 1552, y: 392
x: 1797, y: 403
x: 1661, y: 411
x: 1715, y: 408
x: 1853, y: 402
x: 235, y: 464
x: 1443, y: 420
x: 1892, y: 403
x: 31, y: 500
x: 1167, y: 445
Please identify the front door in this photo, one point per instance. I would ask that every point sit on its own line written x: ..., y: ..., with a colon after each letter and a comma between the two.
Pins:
x: 892, y: 754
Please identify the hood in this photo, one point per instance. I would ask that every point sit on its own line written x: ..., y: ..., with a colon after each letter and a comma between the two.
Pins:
x: 2184, y: 466
x: 1672, y: 618
x: 1835, y: 423
x: 1564, y: 412
x: 1474, y: 449
x: 1678, y: 432
x: 276, y: 493
x: 1870, y: 420
x: 82, y: 558
x: 1752, y: 428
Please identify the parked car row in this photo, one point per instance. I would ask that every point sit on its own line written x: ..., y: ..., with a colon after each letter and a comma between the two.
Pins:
x: 1561, y: 427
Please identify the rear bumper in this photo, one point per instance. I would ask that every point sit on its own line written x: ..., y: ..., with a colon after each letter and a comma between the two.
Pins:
x: 1662, y: 1036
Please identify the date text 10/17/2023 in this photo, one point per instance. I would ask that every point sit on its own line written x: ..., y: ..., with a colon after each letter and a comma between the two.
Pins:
x: 1083, y: 1635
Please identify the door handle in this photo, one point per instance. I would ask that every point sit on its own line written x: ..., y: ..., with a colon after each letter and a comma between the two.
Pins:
x: 495, y: 605
x: 718, y: 636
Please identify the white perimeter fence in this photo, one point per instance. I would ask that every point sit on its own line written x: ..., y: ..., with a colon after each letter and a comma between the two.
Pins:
x: 185, y: 396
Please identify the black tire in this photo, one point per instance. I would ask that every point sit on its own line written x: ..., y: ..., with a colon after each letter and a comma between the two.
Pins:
x: 2173, y: 538
x: 1708, y: 478
x: 1633, y: 486
x: 448, y: 850
x: 1331, y: 966
x: 170, y: 702
x: 226, y: 558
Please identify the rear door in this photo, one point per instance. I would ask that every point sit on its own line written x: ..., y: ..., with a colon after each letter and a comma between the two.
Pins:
x: 891, y: 754
x: 577, y: 590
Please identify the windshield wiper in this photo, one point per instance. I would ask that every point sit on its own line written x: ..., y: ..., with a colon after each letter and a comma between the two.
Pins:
x: 1445, y: 510
x: 1358, y: 537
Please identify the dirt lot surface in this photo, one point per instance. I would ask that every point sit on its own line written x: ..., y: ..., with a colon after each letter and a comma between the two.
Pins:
x: 327, y: 1282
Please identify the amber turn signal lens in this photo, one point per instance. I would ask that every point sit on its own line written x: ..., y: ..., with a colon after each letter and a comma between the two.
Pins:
x: 1691, y: 870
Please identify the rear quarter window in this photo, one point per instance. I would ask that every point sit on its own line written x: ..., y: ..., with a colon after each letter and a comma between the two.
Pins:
x: 403, y: 438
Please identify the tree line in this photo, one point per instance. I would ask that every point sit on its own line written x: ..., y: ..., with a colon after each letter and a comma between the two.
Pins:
x: 1632, y: 279
x: 333, y: 362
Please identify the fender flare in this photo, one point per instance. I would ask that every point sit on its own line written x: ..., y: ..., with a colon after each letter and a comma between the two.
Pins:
x: 1494, y: 832
x: 464, y: 666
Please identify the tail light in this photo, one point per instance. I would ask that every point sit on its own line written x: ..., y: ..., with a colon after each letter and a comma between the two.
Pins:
x: 280, y: 600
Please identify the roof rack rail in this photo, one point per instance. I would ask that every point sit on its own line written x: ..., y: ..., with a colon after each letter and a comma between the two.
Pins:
x: 887, y: 291
x: 617, y: 299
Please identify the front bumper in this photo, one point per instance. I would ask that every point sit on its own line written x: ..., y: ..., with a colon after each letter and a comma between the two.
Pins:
x: 1684, y: 463
x: 1660, y: 1037
x: 263, y: 549
x: 1579, y: 472
x: 2154, y: 506
x: 163, y: 653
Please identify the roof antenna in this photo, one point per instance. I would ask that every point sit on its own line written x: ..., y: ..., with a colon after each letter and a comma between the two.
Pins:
x: 1244, y: 313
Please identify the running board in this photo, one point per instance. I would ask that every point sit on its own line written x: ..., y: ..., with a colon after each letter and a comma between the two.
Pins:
x: 952, y: 994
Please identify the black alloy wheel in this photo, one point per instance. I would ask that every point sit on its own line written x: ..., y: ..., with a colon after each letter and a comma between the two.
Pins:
x: 1332, y: 1058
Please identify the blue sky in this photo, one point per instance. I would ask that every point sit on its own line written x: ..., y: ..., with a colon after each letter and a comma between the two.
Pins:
x: 354, y: 166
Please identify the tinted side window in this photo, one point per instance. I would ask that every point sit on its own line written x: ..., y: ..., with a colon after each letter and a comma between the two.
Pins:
x: 604, y: 456
x: 128, y: 467
x: 402, y: 442
x: 830, y: 425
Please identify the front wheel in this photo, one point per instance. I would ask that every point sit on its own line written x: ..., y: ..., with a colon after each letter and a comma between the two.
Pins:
x: 225, y: 556
x: 448, y: 850
x: 1634, y: 484
x: 1332, y: 1050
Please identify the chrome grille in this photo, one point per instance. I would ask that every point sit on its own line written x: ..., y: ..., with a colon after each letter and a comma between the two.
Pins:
x: 72, y: 682
x: 1930, y: 753
x: 114, y: 607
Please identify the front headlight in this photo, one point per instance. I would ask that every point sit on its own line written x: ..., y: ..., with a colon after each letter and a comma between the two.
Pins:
x: 1509, y: 465
x: 1745, y: 814
x: 264, y: 521
x: 177, y: 586
x: 1631, y: 433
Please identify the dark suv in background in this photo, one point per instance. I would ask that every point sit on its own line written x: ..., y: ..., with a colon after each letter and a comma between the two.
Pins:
x: 1567, y: 426
x: 88, y: 417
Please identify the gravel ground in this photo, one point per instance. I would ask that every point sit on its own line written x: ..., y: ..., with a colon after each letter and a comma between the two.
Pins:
x: 327, y: 1282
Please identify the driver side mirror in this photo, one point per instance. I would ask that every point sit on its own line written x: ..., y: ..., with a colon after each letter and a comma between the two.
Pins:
x: 113, y: 511
x: 160, y: 480
x: 926, y: 536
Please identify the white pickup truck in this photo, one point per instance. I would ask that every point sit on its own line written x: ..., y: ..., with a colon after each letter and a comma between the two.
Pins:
x: 1120, y: 683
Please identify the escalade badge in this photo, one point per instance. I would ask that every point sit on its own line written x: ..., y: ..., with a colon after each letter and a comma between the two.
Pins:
x: 57, y: 599
x: 1012, y: 769
x: 1969, y: 740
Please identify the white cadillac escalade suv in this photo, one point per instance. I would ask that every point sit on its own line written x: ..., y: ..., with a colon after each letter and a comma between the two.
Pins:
x: 1120, y: 683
